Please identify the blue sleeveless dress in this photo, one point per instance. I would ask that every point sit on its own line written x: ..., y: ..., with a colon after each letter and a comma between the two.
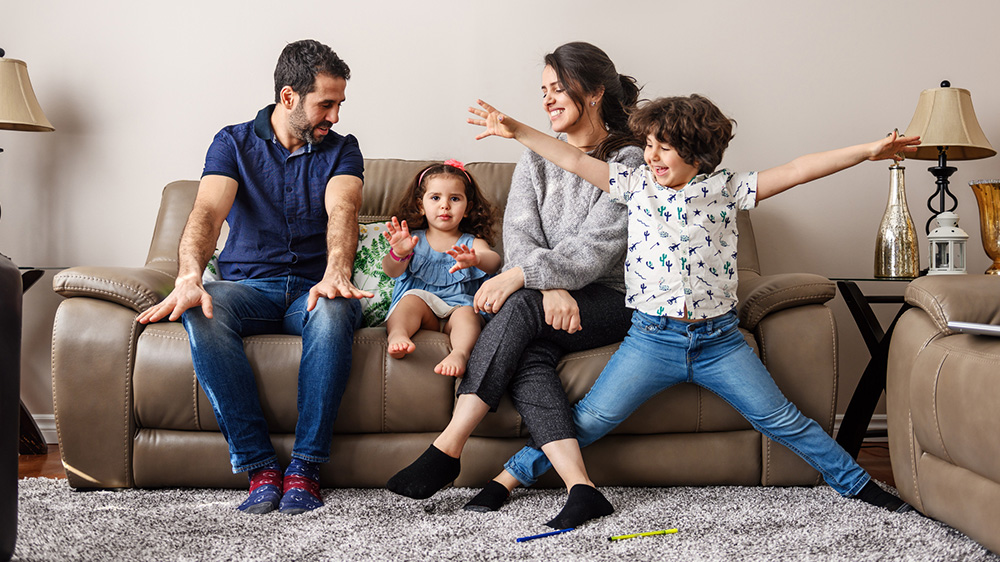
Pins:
x: 427, y: 277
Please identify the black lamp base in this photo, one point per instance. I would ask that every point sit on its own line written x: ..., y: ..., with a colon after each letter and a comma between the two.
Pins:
x: 942, y: 172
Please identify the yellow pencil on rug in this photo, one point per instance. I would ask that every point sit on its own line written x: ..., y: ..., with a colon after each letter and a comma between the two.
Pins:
x: 649, y: 534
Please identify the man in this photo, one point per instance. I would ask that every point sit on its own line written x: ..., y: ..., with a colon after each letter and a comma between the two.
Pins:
x: 290, y: 189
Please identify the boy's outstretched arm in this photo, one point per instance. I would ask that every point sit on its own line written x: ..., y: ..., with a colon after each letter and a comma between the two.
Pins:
x: 814, y: 166
x: 562, y: 154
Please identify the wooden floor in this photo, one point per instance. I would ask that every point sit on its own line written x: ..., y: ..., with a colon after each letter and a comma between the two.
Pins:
x: 874, y: 458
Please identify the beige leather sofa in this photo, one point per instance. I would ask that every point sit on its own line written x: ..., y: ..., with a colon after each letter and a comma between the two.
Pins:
x: 129, y: 411
x: 943, y: 404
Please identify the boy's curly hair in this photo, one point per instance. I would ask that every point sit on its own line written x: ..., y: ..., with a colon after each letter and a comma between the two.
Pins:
x: 694, y: 126
x: 480, y: 213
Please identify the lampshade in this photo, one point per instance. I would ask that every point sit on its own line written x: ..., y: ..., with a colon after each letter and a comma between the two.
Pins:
x: 945, y: 118
x: 19, y: 110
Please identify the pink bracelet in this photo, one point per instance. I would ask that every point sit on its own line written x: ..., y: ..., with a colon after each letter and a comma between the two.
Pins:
x: 397, y: 258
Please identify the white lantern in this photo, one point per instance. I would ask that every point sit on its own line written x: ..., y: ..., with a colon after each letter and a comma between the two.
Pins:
x: 947, y: 246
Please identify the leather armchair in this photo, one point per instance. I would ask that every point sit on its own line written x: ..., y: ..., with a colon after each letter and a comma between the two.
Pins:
x: 129, y: 411
x: 943, y: 404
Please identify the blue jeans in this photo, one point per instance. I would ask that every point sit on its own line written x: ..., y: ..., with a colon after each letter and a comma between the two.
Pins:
x: 272, y: 306
x: 660, y: 352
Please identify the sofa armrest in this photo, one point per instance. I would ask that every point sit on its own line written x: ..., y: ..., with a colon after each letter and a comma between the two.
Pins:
x: 961, y: 298
x: 760, y: 295
x: 135, y: 287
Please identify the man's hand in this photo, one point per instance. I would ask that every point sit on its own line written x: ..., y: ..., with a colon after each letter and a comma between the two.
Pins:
x: 561, y: 310
x: 187, y: 293
x: 333, y: 286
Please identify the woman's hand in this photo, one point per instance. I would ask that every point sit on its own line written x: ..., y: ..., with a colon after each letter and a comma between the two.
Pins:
x: 494, y: 292
x: 398, y: 235
x: 497, y: 124
x: 464, y: 257
x: 561, y: 310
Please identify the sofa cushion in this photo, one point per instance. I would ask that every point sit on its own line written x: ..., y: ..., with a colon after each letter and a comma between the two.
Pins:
x: 953, y: 399
x: 381, y: 395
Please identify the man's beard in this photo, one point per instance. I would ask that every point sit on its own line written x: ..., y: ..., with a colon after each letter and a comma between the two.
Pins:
x: 302, y: 128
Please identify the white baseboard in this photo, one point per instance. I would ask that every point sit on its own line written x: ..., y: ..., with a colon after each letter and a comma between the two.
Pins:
x: 47, y: 425
x: 879, y: 423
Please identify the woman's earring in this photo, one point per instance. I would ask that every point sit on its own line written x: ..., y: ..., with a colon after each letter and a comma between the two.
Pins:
x: 593, y: 103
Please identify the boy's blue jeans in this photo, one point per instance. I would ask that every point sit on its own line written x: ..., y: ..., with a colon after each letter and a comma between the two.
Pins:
x: 660, y: 352
x: 272, y: 306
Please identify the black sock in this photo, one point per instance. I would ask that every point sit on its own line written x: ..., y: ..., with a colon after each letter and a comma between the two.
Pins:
x: 432, y: 471
x: 490, y: 498
x: 878, y: 497
x: 584, y: 503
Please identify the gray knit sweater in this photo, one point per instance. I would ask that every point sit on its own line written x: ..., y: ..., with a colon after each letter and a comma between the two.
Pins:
x: 562, y: 231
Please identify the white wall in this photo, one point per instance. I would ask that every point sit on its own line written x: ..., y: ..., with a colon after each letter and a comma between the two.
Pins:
x: 137, y: 92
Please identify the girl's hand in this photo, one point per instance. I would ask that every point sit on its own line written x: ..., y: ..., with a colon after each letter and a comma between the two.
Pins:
x: 496, y: 123
x: 464, y: 257
x: 893, y: 146
x: 398, y: 235
x: 561, y: 310
x: 495, y: 291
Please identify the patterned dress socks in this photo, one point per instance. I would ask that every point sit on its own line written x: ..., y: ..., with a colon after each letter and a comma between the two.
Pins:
x: 265, y: 490
x: 584, y: 503
x: 490, y: 498
x: 432, y: 471
x: 301, y: 488
x: 878, y: 497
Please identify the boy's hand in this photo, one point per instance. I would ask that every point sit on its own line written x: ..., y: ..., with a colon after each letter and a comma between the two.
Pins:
x: 398, y: 235
x: 464, y: 257
x: 893, y: 146
x: 496, y: 123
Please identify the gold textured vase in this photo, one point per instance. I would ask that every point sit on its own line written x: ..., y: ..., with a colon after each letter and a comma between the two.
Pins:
x: 896, y: 251
x: 988, y: 196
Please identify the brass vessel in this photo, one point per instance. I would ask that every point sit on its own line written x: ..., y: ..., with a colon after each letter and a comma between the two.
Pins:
x: 988, y: 196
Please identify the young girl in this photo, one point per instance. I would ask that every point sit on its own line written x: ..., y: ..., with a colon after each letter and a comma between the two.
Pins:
x: 441, y: 264
x: 685, y: 327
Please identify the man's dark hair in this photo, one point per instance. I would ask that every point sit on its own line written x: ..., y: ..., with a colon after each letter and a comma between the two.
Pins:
x: 693, y: 126
x: 299, y: 64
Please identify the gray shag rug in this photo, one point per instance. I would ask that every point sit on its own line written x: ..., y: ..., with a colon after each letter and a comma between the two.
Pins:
x: 714, y: 523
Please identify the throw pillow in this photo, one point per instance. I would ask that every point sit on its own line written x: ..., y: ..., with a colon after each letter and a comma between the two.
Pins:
x: 211, y: 272
x: 368, y: 274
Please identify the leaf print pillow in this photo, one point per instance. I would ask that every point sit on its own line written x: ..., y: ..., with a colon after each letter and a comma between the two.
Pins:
x: 368, y: 274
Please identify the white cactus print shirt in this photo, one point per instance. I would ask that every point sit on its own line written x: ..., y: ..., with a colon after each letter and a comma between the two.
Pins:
x: 682, y: 242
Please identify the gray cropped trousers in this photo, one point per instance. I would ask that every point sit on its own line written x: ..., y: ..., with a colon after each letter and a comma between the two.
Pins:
x: 518, y: 352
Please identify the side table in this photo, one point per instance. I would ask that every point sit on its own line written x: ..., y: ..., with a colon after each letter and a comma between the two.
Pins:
x: 860, y: 409
x: 31, y: 441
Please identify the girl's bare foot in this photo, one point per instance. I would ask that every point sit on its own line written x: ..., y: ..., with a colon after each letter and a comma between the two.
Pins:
x: 453, y: 365
x: 400, y: 347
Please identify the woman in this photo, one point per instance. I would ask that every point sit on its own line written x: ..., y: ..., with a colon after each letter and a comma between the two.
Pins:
x: 561, y: 290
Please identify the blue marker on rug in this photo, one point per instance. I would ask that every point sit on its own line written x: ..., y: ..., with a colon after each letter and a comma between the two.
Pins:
x: 549, y: 534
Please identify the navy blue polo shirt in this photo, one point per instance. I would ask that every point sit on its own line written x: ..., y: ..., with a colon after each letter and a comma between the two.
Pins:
x: 277, y: 225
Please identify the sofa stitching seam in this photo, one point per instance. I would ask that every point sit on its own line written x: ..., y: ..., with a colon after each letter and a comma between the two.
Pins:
x: 764, y: 311
x: 934, y: 409
x: 129, y: 363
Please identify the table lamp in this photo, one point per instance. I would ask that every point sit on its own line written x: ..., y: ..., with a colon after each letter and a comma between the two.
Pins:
x: 19, y: 111
x: 948, y: 128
